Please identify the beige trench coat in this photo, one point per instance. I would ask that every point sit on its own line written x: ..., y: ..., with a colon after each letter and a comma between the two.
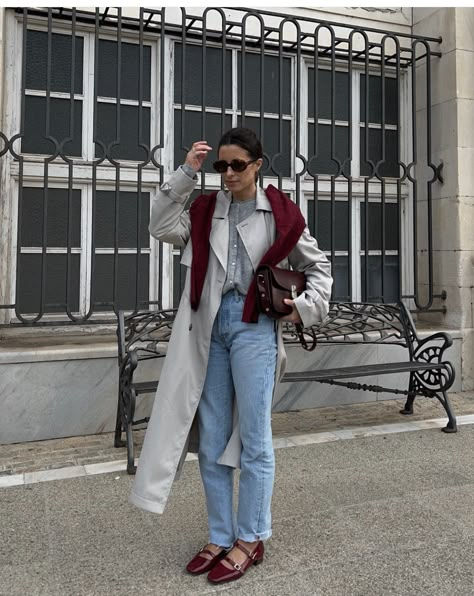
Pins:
x: 168, y: 436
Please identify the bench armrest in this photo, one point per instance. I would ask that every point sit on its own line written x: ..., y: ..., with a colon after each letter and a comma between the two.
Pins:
x: 428, y: 348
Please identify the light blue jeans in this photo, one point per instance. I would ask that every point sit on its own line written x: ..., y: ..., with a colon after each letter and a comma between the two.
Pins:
x: 242, y: 362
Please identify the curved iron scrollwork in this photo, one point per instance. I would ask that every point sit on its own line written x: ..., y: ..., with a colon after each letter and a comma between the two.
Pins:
x: 361, y: 322
x: 142, y: 336
x: 430, y: 352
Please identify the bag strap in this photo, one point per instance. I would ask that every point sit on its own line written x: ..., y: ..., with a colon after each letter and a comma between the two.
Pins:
x: 302, y: 338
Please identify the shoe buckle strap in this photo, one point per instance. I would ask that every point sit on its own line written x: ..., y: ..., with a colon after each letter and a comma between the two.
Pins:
x: 250, y: 555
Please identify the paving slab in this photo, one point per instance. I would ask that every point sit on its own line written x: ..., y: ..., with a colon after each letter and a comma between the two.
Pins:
x: 94, y: 451
x: 369, y: 516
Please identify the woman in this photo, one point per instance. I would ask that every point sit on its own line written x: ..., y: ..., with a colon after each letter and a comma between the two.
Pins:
x: 224, y: 357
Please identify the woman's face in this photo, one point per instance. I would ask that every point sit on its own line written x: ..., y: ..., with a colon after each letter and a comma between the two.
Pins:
x: 241, y: 184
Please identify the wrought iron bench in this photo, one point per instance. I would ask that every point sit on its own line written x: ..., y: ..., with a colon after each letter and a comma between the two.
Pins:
x: 143, y: 336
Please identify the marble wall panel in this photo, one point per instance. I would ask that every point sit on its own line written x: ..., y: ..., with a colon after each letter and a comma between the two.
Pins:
x: 43, y: 400
x: 60, y: 398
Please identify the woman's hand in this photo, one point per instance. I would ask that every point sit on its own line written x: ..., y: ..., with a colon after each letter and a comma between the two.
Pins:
x: 197, y: 154
x: 294, y: 316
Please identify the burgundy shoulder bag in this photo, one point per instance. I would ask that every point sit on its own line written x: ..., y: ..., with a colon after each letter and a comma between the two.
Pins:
x: 274, y: 284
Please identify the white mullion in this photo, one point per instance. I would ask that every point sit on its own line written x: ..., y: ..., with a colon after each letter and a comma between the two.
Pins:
x: 155, y: 121
x: 355, y: 173
x: 86, y: 245
x: 164, y: 268
x: 155, y: 115
x: 304, y: 136
x: 292, y: 120
x: 235, y: 90
x: 355, y: 119
x: 86, y: 195
x: 88, y: 105
x: 355, y: 252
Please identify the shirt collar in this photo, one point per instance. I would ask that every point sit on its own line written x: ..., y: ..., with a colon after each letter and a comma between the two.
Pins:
x: 224, y: 199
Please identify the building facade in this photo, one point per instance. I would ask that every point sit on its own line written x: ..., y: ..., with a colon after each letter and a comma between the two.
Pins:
x: 366, y: 121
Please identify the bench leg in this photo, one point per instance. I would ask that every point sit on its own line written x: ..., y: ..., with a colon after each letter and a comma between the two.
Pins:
x: 408, y: 409
x: 118, y: 442
x: 451, y: 427
x: 131, y: 468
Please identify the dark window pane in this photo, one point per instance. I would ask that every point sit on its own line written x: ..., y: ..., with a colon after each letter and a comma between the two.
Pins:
x: 271, y: 83
x: 391, y: 290
x: 193, y: 76
x: 375, y: 100
x: 375, y: 226
x: 389, y: 168
x: 193, y: 132
x: 61, y: 62
x: 279, y: 155
x: 129, y: 143
x: 105, y: 225
x: 319, y: 155
x: 129, y: 70
x: 320, y: 218
x: 29, y: 272
x: 340, y: 273
x: 126, y: 282
x: 179, y: 277
x: 324, y: 95
x: 57, y: 217
x: 35, y: 140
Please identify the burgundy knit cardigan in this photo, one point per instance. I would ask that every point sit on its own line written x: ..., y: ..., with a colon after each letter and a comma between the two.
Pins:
x: 289, y: 225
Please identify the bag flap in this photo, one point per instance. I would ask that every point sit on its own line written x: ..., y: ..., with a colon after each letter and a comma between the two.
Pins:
x: 285, y: 278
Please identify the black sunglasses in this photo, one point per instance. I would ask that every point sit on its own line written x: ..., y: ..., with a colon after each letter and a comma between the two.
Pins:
x: 238, y: 165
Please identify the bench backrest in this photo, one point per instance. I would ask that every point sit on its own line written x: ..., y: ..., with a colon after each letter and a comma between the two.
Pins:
x: 362, y: 322
x: 346, y: 323
x: 143, y: 332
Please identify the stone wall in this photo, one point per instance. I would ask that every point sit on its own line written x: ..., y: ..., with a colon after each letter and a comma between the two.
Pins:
x: 452, y: 103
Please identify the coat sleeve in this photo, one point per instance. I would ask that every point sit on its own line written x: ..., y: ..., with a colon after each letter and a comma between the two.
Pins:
x: 313, y: 304
x: 169, y: 222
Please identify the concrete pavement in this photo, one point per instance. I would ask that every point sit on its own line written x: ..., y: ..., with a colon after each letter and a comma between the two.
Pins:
x: 96, y: 449
x: 369, y: 516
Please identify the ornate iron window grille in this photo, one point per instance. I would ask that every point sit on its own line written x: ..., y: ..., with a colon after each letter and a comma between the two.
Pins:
x: 335, y: 47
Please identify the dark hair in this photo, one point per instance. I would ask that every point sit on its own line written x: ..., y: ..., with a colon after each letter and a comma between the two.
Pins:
x: 245, y: 138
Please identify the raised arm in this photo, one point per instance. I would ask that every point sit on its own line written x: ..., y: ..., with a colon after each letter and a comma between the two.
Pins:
x: 169, y: 222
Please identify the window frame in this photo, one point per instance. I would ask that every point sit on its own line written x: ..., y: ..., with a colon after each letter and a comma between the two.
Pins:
x: 31, y: 170
x: 358, y: 197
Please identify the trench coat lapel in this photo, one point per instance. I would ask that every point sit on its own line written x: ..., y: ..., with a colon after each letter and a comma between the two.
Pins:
x: 256, y: 236
x: 219, y: 236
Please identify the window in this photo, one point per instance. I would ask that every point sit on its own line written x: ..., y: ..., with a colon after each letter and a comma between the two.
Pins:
x: 225, y: 86
x: 197, y: 112
x: 101, y: 121
x: 355, y: 164
x: 83, y: 125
